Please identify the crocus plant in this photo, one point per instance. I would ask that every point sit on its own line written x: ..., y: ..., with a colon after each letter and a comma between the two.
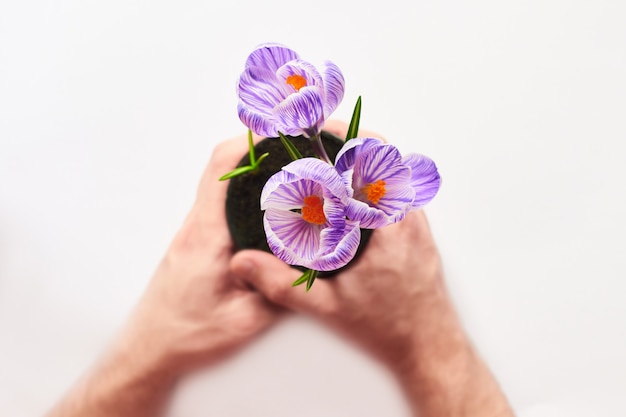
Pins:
x: 279, y: 92
x: 314, y: 210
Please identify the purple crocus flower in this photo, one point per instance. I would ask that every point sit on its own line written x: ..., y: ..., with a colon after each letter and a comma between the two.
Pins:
x: 280, y: 92
x: 305, y: 219
x: 382, y: 185
x: 425, y: 179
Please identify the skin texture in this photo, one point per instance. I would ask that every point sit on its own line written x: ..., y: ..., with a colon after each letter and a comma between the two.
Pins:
x: 393, y: 303
x: 204, y: 302
x: 193, y: 312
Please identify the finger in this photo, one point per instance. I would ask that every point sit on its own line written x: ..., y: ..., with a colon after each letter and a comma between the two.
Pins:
x: 413, y: 230
x: 225, y: 157
x: 266, y: 312
x: 209, y: 207
x: 205, y: 222
x: 418, y: 222
x: 273, y: 278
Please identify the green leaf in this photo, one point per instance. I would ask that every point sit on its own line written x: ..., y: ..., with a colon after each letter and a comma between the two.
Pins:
x: 303, y: 278
x: 236, y: 172
x: 291, y: 149
x: 353, y: 129
x: 261, y: 158
x: 254, y: 163
x: 312, y: 276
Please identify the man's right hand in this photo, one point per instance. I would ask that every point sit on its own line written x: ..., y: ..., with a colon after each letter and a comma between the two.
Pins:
x: 393, y: 303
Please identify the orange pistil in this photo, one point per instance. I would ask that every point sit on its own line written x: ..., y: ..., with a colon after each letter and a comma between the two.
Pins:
x: 375, y: 191
x: 313, y: 210
x: 296, y: 81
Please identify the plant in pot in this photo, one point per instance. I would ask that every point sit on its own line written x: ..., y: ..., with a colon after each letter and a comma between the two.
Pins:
x: 306, y: 195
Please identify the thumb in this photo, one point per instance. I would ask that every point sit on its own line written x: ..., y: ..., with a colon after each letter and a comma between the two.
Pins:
x: 273, y: 278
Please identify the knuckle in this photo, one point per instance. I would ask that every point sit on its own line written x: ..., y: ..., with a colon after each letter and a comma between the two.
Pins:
x: 328, y: 310
x: 220, y: 150
x: 247, y: 324
x: 278, y: 292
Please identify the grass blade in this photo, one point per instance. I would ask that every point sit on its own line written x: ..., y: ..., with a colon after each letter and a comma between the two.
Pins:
x: 261, y: 158
x: 236, y: 172
x: 303, y: 278
x: 312, y: 276
x: 291, y: 149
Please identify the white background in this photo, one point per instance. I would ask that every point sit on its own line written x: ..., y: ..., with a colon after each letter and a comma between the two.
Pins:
x: 109, y: 111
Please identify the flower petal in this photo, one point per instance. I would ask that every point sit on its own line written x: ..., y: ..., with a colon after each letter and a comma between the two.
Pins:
x: 260, y: 124
x: 301, y: 113
x: 377, y: 163
x: 271, y: 56
x: 346, y: 156
x: 302, y: 68
x: 320, y: 172
x: 334, y: 86
x: 288, y: 195
x: 425, y: 179
x: 370, y: 217
x: 292, y: 239
x: 397, y: 200
x: 336, y: 254
x: 260, y: 90
x: 369, y: 161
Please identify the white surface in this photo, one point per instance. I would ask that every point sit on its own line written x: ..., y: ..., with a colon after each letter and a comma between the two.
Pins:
x: 109, y: 111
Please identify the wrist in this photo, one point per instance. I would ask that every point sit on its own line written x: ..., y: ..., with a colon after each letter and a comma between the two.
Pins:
x: 147, y: 345
x: 125, y: 381
x: 439, y: 346
x: 139, y: 359
x: 444, y: 375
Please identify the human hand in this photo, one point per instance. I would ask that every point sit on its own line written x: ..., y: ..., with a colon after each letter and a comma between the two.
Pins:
x: 193, y: 312
x: 393, y: 303
x: 374, y: 301
x: 377, y: 302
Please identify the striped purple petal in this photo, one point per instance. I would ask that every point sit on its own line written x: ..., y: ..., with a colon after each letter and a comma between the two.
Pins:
x: 260, y: 91
x: 301, y: 113
x: 258, y: 123
x: 346, y: 156
x: 425, y: 179
x: 301, y: 68
x: 377, y: 163
x: 271, y: 56
x: 336, y: 254
x: 286, y: 194
x: 398, y: 197
x: 377, y: 180
x: 370, y: 217
x: 292, y: 239
x: 320, y: 172
x: 334, y: 86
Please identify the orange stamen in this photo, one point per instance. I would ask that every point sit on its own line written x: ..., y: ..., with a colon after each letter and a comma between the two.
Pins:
x: 375, y: 191
x: 313, y: 210
x: 296, y: 81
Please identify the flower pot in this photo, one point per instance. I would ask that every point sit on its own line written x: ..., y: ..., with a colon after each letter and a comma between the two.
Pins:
x: 243, y: 211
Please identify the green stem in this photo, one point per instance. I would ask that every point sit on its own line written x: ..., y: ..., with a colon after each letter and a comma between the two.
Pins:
x: 251, y: 148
